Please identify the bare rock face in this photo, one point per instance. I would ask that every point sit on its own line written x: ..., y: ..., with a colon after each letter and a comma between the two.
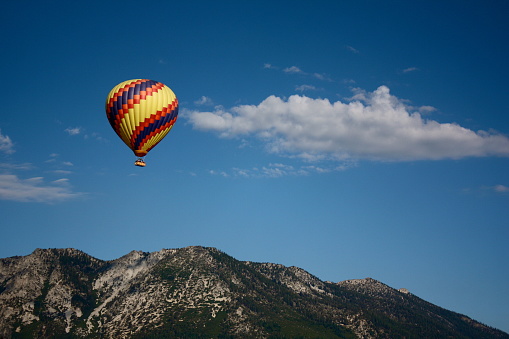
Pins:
x: 47, y: 283
x: 204, y: 293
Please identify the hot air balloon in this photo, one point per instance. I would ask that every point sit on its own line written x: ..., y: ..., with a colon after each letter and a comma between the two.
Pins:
x: 141, y: 112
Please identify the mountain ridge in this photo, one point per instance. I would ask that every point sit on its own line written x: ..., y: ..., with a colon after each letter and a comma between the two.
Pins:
x: 202, y: 292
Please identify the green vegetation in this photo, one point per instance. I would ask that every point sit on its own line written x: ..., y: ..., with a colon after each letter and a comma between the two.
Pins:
x: 255, y: 300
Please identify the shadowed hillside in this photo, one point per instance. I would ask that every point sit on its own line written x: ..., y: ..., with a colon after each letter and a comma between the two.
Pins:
x: 198, y: 292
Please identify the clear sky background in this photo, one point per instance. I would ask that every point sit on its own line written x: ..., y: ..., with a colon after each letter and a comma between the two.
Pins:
x: 352, y: 139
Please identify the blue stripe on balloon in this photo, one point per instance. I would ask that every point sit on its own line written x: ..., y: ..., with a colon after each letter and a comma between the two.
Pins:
x: 154, y: 126
x: 126, y: 95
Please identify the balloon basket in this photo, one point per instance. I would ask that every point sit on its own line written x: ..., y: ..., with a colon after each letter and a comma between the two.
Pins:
x: 140, y: 162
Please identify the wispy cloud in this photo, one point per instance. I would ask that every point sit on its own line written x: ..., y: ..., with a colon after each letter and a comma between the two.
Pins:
x: 426, y: 109
x: 501, y: 188
x: 6, y: 144
x: 96, y: 136
x: 221, y: 173
x: 410, y: 69
x: 54, y: 160
x: 204, y: 101
x: 351, y: 49
x: 293, y: 70
x: 73, y: 130
x: 374, y: 125
x: 303, y: 88
x: 35, y: 189
x: 277, y: 170
x: 61, y: 172
x: 322, y: 77
x: 15, y: 167
x: 298, y: 70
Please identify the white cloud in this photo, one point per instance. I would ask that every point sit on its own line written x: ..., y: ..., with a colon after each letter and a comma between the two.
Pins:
x: 73, y: 131
x: 410, y: 69
x: 221, y: 173
x: 35, y: 189
x: 351, y: 49
x: 297, y: 70
x: 61, y: 172
x: 303, y: 88
x: 374, y: 125
x: 6, y: 144
x: 293, y: 70
x: 54, y: 160
x: 269, y: 171
x: 204, y: 101
x: 277, y: 170
x: 63, y: 181
x: 426, y: 109
x: 501, y: 189
x: 13, y: 166
x: 348, y: 81
x: 322, y: 77
x: 98, y: 137
x: 359, y: 95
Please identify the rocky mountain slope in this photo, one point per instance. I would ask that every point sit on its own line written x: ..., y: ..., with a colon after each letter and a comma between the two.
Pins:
x: 198, y: 292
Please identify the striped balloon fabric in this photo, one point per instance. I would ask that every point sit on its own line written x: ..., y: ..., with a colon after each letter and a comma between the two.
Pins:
x: 141, y: 112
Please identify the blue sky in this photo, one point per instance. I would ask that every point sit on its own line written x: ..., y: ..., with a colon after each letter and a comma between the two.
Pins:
x: 352, y: 139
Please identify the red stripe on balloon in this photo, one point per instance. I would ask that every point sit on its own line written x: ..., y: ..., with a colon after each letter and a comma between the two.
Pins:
x: 160, y: 129
x: 152, y: 119
x: 130, y: 102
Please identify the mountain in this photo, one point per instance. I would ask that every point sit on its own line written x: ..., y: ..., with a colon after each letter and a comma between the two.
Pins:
x: 198, y: 292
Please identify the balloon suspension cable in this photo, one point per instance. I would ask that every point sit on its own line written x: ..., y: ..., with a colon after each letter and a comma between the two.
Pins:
x: 140, y: 162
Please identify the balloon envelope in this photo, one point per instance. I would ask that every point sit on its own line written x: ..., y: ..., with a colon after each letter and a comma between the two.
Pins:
x: 141, y: 112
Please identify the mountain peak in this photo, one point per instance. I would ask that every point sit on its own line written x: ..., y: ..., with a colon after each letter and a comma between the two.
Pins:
x: 203, y: 292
